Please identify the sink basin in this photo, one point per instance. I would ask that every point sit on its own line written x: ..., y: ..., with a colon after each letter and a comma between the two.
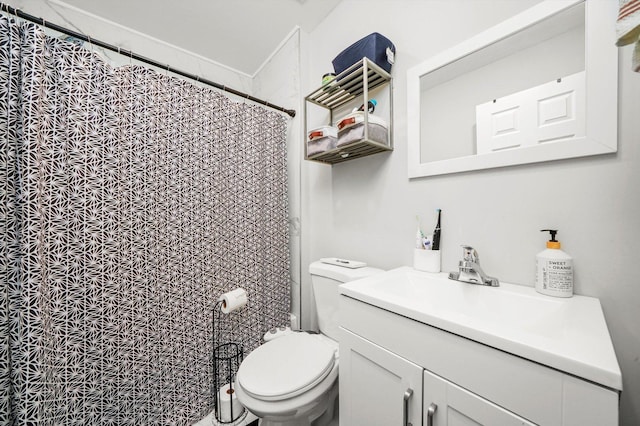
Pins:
x: 567, y: 334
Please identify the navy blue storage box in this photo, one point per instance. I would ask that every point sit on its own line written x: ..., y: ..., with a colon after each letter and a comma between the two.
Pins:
x: 374, y: 46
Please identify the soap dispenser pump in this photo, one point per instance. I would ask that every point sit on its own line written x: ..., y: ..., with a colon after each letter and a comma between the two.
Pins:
x: 554, y: 269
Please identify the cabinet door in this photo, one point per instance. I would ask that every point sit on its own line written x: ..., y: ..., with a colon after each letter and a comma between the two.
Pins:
x: 451, y: 405
x: 377, y: 387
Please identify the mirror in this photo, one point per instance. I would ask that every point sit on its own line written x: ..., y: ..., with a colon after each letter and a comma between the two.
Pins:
x: 540, y: 86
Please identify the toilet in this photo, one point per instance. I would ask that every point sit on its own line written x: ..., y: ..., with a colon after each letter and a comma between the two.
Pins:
x: 292, y: 379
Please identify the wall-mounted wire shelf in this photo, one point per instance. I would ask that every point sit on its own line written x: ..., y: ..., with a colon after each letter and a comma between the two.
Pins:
x: 351, y: 86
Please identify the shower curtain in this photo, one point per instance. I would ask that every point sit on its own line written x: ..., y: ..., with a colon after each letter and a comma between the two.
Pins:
x: 130, y: 200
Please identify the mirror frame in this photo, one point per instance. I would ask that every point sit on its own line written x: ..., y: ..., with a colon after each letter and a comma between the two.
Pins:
x: 601, y: 72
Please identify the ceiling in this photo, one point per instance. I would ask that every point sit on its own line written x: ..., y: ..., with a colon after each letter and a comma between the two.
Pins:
x: 240, y: 34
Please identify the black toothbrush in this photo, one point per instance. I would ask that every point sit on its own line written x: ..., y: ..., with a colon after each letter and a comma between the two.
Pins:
x: 436, y: 234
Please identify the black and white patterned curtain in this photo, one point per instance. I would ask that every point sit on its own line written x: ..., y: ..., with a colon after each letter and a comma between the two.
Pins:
x: 129, y: 201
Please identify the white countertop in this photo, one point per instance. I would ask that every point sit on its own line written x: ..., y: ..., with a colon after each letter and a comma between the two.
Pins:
x: 568, y: 334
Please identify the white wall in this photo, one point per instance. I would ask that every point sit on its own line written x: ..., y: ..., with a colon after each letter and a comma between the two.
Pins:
x: 365, y: 209
x: 279, y: 82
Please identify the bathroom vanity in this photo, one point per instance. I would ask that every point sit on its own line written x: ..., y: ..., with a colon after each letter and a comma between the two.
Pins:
x: 417, y: 348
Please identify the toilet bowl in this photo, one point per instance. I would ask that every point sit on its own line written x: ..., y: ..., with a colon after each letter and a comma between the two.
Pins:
x: 292, y: 380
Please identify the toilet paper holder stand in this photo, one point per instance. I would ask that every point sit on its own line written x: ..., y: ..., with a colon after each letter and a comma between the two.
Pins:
x: 227, y: 357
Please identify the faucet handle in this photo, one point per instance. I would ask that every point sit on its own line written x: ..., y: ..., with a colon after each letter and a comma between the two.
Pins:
x: 470, y: 254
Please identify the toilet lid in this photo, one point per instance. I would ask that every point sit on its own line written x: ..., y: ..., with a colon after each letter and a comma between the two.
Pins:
x: 286, y: 367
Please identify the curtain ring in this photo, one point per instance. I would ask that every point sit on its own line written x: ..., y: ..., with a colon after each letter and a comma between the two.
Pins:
x: 16, y: 12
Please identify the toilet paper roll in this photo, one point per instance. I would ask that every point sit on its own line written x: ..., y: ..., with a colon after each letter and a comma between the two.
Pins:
x: 233, y: 300
x: 229, y: 403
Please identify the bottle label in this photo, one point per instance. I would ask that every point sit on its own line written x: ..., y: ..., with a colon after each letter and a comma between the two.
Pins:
x: 556, y: 276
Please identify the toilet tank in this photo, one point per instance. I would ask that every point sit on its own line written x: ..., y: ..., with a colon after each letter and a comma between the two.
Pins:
x: 325, y: 279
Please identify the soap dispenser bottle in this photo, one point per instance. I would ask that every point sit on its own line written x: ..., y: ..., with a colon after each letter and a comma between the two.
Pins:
x: 554, y: 269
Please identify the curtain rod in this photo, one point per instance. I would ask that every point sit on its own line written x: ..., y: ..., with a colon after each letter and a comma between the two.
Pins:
x: 132, y: 55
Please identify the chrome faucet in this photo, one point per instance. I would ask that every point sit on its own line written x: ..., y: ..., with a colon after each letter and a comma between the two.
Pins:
x: 470, y: 270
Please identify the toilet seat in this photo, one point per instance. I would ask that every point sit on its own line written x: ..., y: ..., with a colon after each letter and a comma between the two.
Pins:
x: 286, y: 367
